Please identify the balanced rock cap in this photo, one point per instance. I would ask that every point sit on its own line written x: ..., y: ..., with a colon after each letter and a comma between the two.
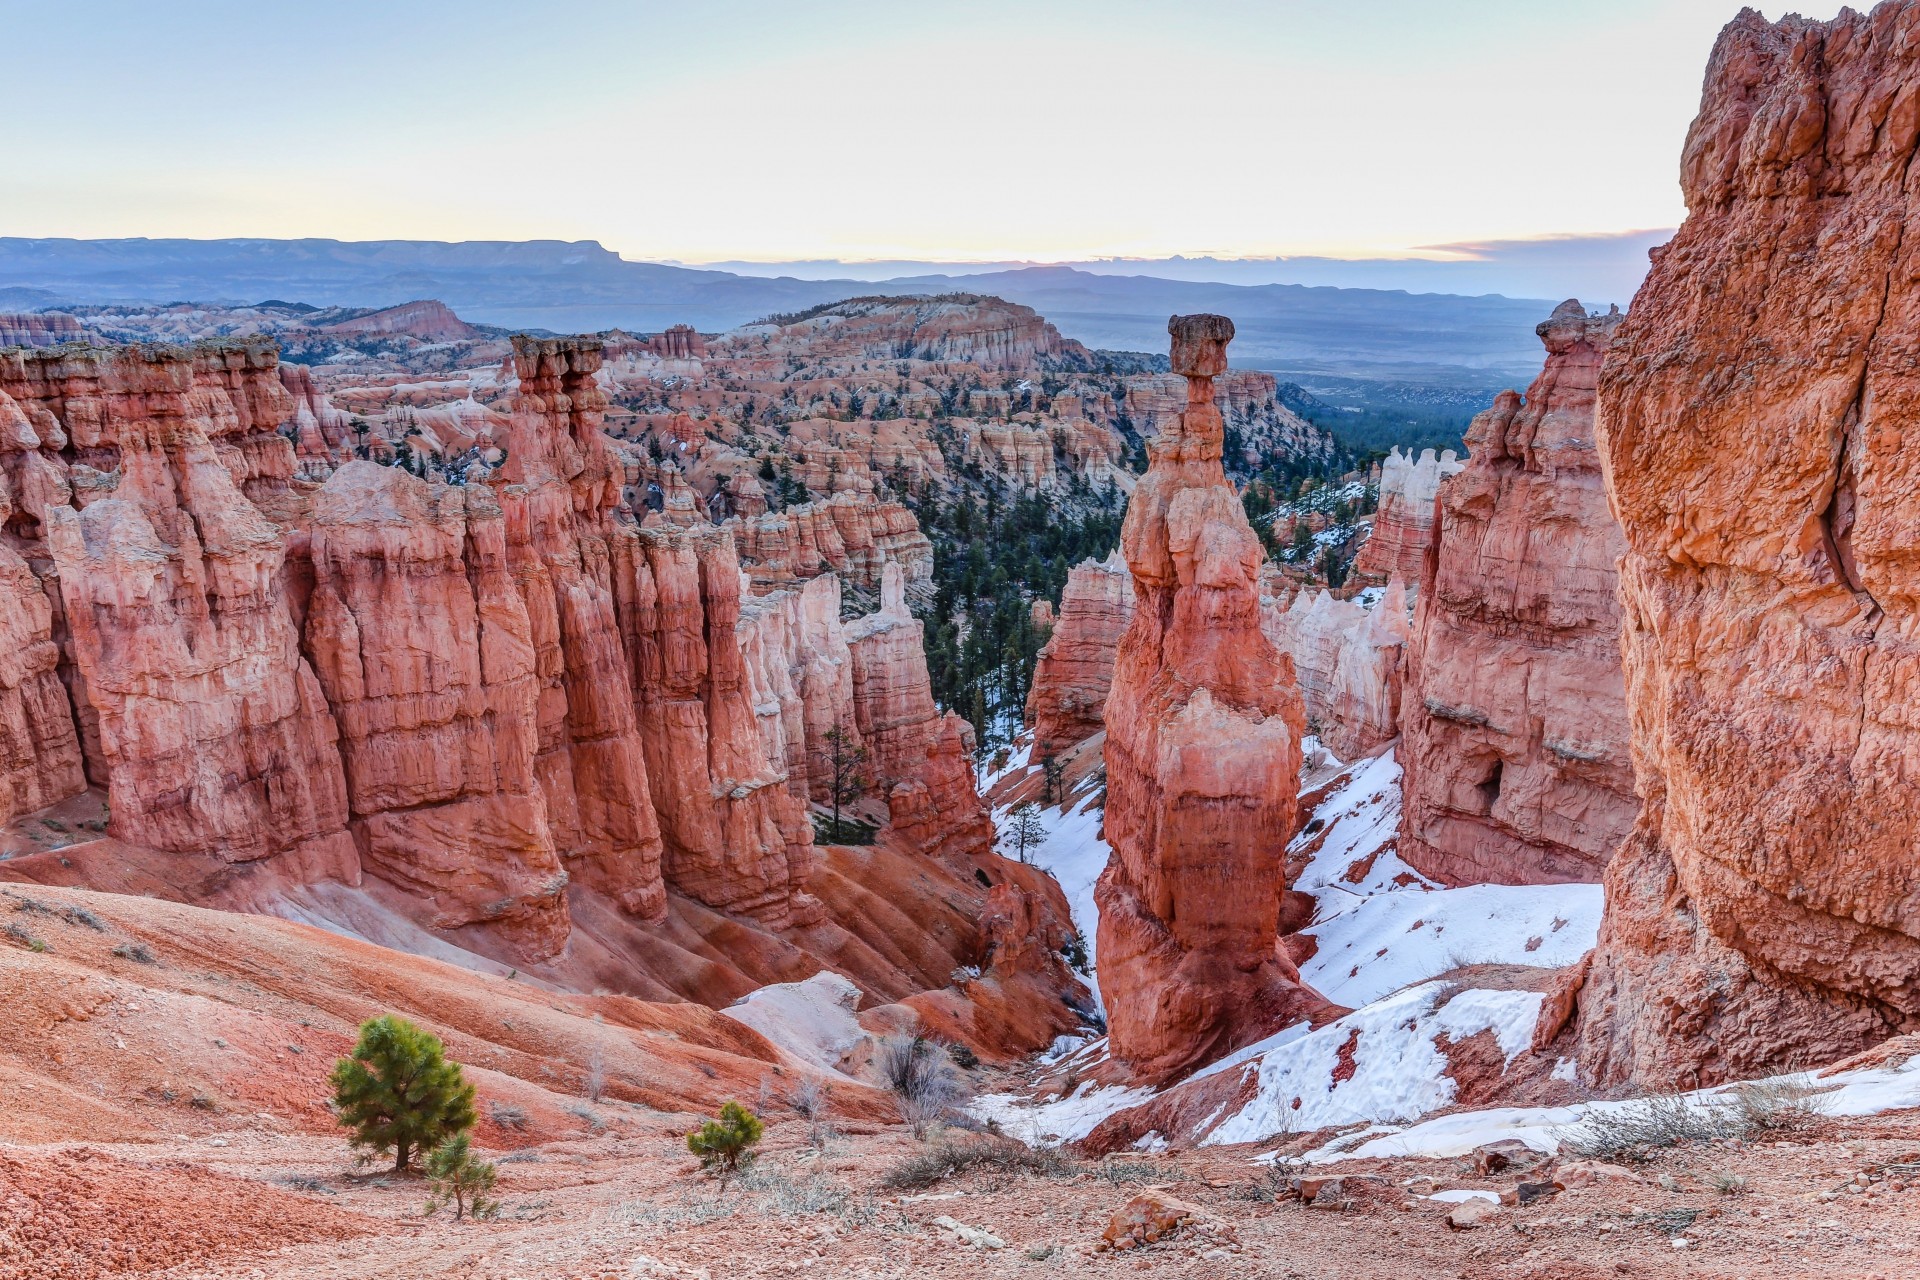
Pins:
x: 1200, y: 344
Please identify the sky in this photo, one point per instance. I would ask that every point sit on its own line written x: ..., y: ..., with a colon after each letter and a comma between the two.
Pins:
x: 774, y: 129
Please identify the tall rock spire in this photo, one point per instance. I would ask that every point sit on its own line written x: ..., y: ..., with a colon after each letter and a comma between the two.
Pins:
x: 1204, y: 722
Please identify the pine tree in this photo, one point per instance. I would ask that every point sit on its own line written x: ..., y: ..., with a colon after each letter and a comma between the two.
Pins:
x: 1027, y: 829
x: 461, y: 1179
x: 398, y: 1092
x: 725, y: 1146
x: 849, y: 778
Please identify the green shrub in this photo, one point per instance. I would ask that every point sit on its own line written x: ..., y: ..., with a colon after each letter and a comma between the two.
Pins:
x: 398, y: 1092
x: 725, y: 1146
x: 461, y: 1179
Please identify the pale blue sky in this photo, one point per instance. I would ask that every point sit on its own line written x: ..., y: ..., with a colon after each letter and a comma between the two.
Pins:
x: 751, y: 129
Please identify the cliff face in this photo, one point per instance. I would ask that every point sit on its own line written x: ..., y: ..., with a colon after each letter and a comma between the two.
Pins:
x: 1403, y: 523
x: 1067, y: 703
x: 39, y: 741
x: 207, y: 724
x: 959, y: 328
x: 843, y: 535
x: 1203, y: 755
x: 1515, y: 736
x: 494, y: 696
x: 1754, y: 422
x: 39, y: 329
x: 920, y: 758
x: 1349, y: 662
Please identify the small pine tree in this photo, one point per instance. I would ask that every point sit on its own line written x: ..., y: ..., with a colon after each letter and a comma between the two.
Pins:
x: 461, y: 1179
x: 1027, y: 829
x: 398, y: 1092
x: 725, y: 1146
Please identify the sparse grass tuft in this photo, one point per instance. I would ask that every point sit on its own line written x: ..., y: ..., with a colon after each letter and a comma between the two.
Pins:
x: 508, y: 1116
x: 945, y: 1158
x: 1635, y: 1131
x: 136, y: 952
x: 923, y: 1079
x: 1789, y: 1105
x: 1727, y: 1183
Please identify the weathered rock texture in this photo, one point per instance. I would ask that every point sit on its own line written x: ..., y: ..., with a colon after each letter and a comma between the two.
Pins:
x: 39, y: 329
x: 1515, y: 727
x: 493, y: 696
x: 843, y: 535
x: 1755, y: 422
x: 210, y: 730
x: 1203, y: 755
x: 1350, y: 663
x: 920, y: 758
x: 1404, y: 522
x: 1067, y: 703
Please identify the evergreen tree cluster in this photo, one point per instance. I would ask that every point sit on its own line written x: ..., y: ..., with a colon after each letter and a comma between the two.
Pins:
x: 996, y: 551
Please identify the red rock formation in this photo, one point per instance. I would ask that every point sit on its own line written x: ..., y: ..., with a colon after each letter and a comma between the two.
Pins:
x: 844, y: 534
x: 735, y: 837
x: 1349, y: 661
x: 560, y: 493
x: 1404, y: 521
x: 1067, y: 702
x: 39, y: 741
x: 1515, y: 733
x: 1248, y: 401
x: 213, y: 735
x: 428, y: 320
x: 39, y: 329
x: 678, y: 342
x: 920, y: 758
x: 1754, y: 421
x: 424, y: 649
x: 800, y: 680
x: 1203, y: 756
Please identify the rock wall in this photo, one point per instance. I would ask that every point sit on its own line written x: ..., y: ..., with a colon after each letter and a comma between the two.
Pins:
x: 846, y: 535
x: 1754, y: 423
x: 39, y: 741
x: 1349, y: 661
x: 1067, y: 703
x: 1403, y: 523
x: 208, y: 726
x: 39, y: 329
x: 494, y: 697
x: 1203, y: 759
x: 1517, y: 769
x: 920, y: 758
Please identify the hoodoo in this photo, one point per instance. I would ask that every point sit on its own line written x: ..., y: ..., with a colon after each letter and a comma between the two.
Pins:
x: 1515, y: 727
x: 1756, y: 417
x: 1204, y: 723
x: 1067, y: 704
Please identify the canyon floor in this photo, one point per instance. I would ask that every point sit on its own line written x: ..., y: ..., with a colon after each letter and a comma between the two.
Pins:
x: 629, y: 1202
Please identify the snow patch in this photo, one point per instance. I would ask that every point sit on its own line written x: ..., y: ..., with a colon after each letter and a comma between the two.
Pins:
x: 813, y: 1020
x: 1379, y: 1063
x: 1865, y: 1091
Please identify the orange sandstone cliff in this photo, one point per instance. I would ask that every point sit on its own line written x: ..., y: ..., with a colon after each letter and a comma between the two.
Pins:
x: 1067, y: 702
x: 1754, y: 421
x: 1514, y: 724
x: 1203, y: 756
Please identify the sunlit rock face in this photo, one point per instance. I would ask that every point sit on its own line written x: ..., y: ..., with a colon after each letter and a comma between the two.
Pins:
x: 1755, y: 423
x: 1067, y: 702
x: 1515, y: 717
x: 1203, y: 757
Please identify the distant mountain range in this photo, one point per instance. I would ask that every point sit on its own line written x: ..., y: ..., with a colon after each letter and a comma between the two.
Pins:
x: 1341, y: 340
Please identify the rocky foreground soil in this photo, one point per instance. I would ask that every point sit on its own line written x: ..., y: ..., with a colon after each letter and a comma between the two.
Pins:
x: 627, y: 1201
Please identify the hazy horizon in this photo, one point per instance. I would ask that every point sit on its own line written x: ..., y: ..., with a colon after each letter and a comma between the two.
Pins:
x: 746, y: 132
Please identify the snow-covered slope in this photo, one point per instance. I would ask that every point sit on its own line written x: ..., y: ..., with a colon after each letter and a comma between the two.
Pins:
x: 1382, y: 934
